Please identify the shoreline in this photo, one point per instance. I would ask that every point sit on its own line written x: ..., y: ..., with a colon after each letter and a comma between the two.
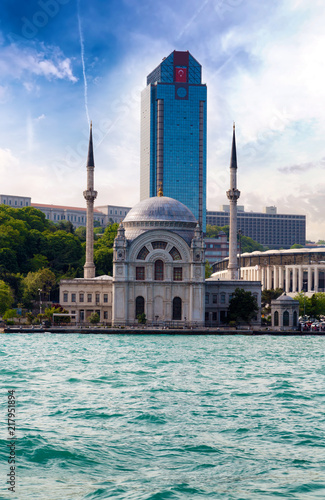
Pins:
x: 157, y: 331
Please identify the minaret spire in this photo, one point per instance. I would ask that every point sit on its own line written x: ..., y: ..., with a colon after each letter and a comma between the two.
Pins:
x: 233, y: 194
x: 90, y: 195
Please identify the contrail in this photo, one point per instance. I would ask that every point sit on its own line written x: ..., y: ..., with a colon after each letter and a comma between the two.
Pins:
x: 82, y: 49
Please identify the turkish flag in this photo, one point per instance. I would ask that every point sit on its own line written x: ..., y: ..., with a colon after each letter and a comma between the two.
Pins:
x: 181, y: 75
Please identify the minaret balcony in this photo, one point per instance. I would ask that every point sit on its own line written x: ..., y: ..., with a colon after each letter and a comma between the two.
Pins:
x: 233, y: 194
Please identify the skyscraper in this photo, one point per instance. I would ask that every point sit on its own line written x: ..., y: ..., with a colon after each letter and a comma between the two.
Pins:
x: 173, y: 133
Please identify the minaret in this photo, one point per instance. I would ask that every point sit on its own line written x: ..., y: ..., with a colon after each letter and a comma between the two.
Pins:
x: 90, y: 194
x: 233, y: 194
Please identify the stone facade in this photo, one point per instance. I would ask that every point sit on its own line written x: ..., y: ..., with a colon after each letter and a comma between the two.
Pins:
x: 285, y: 313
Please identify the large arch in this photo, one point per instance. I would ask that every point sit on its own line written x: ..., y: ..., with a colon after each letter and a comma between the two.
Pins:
x: 139, y: 306
x: 177, y: 308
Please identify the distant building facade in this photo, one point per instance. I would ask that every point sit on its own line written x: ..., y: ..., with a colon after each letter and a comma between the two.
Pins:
x: 267, y: 228
x: 173, y: 133
x: 77, y: 216
x: 15, y: 201
x: 216, y: 248
x: 114, y: 213
x: 294, y: 270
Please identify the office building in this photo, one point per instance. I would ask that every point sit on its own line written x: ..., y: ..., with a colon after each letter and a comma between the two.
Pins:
x: 173, y: 133
x: 268, y: 228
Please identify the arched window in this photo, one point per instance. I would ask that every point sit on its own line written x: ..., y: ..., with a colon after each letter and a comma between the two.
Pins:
x: 159, y: 270
x: 177, y: 308
x: 139, y: 306
x: 175, y: 254
x: 295, y: 318
x: 143, y: 253
x: 276, y: 318
x: 285, y: 318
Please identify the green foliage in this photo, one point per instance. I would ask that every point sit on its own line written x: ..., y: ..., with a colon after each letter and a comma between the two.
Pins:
x: 313, y: 306
x: 40, y: 280
x: 269, y: 295
x: 297, y: 245
x: 103, y: 259
x: 6, y: 297
x: 94, y: 318
x: 9, y: 314
x: 243, y: 306
x: 107, y: 240
x: 65, y: 225
x: 142, y: 319
x: 208, y: 270
x: 81, y: 233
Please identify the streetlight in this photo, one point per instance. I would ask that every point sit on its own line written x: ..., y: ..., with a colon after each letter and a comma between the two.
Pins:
x: 40, y: 301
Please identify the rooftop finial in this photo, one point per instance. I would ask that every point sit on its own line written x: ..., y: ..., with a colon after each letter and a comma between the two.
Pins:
x: 160, y: 192
x: 233, y: 160
x: 90, y: 159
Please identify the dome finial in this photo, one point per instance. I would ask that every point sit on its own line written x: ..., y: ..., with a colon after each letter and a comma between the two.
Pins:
x: 160, y: 192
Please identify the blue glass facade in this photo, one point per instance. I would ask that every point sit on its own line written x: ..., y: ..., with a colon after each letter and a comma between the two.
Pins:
x: 173, y: 133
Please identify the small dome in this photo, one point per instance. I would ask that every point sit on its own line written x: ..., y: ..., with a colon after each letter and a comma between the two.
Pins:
x: 160, y: 208
x: 285, y: 297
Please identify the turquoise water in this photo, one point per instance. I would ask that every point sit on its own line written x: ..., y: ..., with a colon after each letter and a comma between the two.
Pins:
x: 164, y: 417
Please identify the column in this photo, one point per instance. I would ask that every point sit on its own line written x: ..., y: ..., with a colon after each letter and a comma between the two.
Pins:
x: 276, y: 277
x: 268, y: 278
x: 287, y: 279
x: 280, y: 277
x: 316, y: 278
x: 294, y: 279
x: 309, y: 278
x: 300, y: 278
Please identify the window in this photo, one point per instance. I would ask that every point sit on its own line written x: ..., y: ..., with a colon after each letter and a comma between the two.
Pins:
x: 177, y: 308
x: 159, y: 244
x: 73, y: 297
x: 223, y: 298
x: 89, y: 297
x: 65, y: 297
x: 81, y: 297
x: 175, y: 254
x: 143, y: 253
x: 207, y: 298
x: 82, y: 315
x: 285, y: 318
x: 139, y: 306
x: 295, y: 318
x: 139, y: 273
x: 214, y: 299
x: 159, y: 270
x: 276, y: 318
x: 178, y: 273
x: 214, y: 316
x: 97, y: 298
x: 105, y: 298
x: 105, y: 314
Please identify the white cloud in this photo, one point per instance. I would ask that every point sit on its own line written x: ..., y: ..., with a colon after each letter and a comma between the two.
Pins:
x: 49, y: 62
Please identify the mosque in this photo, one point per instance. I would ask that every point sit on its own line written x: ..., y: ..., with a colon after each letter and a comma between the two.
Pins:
x: 158, y: 266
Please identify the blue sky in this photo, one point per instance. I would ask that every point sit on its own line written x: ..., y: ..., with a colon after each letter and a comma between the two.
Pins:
x: 263, y: 63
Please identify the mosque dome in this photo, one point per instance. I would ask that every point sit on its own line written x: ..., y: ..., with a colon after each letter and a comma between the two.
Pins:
x: 160, y: 212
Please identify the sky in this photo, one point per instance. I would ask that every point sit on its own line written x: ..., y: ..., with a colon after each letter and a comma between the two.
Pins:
x: 63, y: 62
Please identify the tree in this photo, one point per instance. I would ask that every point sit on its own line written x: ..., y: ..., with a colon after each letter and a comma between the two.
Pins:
x: 103, y: 260
x: 243, y: 306
x: 6, y: 297
x: 313, y: 306
x: 208, y: 270
x: 269, y: 295
x: 94, y: 318
x: 297, y: 245
x: 40, y: 280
